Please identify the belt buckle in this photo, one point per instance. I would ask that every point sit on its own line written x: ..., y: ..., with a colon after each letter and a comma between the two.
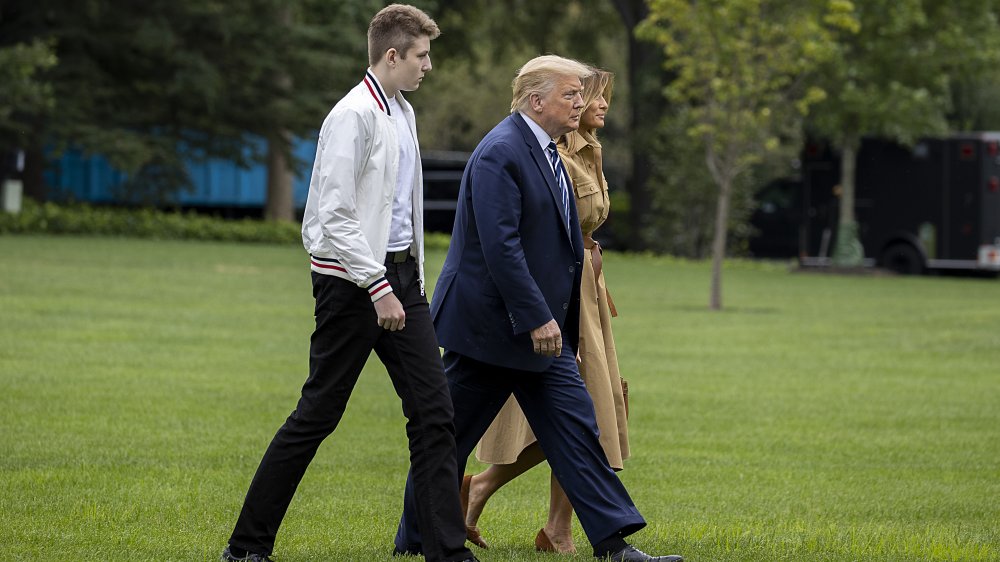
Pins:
x: 400, y: 256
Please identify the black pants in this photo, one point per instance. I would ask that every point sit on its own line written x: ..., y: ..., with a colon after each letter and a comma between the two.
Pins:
x: 346, y: 333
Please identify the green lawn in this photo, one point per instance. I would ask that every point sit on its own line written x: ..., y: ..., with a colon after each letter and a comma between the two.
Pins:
x: 816, y: 418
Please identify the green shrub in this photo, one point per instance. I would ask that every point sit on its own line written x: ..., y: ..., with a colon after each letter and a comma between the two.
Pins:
x: 436, y: 241
x: 87, y: 220
x: 82, y: 219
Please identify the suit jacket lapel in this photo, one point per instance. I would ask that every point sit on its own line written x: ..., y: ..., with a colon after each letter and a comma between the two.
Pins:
x: 542, y: 161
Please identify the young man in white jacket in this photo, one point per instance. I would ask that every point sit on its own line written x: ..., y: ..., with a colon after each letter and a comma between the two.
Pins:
x: 362, y: 228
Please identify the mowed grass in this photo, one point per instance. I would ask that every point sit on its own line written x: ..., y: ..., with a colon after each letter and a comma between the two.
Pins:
x: 815, y: 418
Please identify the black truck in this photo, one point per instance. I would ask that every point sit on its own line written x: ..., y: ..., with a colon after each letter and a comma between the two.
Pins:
x: 933, y: 206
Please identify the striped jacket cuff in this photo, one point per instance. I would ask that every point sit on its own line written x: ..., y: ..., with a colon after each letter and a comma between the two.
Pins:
x: 379, y: 288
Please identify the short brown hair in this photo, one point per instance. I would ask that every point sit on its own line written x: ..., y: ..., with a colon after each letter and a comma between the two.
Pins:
x: 398, y: 26
x: 539, y: 76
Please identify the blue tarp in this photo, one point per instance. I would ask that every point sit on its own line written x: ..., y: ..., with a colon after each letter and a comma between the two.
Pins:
x: 215, y: 183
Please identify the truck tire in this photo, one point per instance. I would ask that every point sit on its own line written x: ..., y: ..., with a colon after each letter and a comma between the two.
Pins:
x: 902, y: 258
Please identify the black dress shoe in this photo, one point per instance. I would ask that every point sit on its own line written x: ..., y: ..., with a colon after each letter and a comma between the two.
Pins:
x: 633, y: 554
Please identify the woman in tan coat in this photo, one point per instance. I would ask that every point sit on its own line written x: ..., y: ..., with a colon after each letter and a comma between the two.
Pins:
x: 509, y: 445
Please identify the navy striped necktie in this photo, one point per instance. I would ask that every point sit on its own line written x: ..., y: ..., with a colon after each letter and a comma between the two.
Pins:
x: 561, y: 179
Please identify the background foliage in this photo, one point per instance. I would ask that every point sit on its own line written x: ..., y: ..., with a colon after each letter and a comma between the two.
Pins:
x: 742, y: 72
x: 896, y: 77
x: 150, y: 83
x: 147, y: 84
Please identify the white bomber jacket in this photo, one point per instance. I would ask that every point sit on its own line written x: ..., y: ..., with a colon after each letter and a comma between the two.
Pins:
x: 348, y: 212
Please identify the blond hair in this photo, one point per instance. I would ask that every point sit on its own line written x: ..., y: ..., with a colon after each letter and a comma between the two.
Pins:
x: 539, y: 76
x: 599, y: 83
x: 398, y: 26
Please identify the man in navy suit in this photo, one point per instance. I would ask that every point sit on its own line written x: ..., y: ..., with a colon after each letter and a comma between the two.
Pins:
x: 506, y: 306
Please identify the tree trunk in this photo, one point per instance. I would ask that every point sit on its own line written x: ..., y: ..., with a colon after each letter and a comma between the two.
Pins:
x: 847, y: 251
x: 719, y: 241
x: 33, y: 175
x: 648, y: 105
x: 280, y: 203
x: 280, y: 197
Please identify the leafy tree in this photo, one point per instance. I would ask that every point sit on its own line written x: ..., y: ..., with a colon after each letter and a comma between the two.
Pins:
x: 148, y: 83
x: 740, y: 69
x: 685, y: 197
x: 975, y: 106
x: 484, y: 42
x: 21, y: 92
x: 127, y: 84
x: 297, y: 58
x: 467, y: 67
x: 646, y: 76
x: 895, y: 78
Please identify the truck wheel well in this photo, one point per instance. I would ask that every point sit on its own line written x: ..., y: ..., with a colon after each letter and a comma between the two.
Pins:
x: 902, y: 256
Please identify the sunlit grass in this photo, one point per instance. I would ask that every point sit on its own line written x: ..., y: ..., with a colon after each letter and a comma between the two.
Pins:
x: 815, y: 418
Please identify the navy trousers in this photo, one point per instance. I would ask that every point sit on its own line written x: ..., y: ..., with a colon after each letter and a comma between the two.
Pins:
x: 561, y: 414
x: 346, y: 333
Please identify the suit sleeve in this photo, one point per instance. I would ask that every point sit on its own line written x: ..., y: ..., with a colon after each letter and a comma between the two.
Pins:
x: 496, y: 203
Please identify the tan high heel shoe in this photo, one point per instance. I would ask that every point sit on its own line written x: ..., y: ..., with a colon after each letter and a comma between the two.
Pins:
x: 471, y: 531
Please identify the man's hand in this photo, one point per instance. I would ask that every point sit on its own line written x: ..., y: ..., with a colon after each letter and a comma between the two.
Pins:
x: 547, y: 339
x: 390, y: 313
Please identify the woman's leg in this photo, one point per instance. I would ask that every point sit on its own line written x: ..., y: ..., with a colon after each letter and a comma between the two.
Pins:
x: 486, y: 483
x: 559, y: 528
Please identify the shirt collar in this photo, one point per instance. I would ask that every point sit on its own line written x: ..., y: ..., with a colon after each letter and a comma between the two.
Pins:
x: 576, y: 141
x: 543, y: 138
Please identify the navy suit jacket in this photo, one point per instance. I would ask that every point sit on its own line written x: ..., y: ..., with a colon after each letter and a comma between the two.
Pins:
x: 513, y: 264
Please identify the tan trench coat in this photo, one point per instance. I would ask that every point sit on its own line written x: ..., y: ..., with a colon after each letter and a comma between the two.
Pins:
x: 509, y: 433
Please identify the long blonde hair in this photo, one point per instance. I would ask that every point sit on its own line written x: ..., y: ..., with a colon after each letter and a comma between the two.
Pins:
x: 600, y: 82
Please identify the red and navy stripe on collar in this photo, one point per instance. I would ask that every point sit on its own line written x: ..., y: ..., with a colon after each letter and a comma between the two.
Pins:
x: 376, y: 91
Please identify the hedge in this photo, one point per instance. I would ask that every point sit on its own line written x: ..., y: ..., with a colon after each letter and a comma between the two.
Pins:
x: 88, y: 220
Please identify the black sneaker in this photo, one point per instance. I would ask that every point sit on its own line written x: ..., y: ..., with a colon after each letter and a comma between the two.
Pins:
x: 250, y: 557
